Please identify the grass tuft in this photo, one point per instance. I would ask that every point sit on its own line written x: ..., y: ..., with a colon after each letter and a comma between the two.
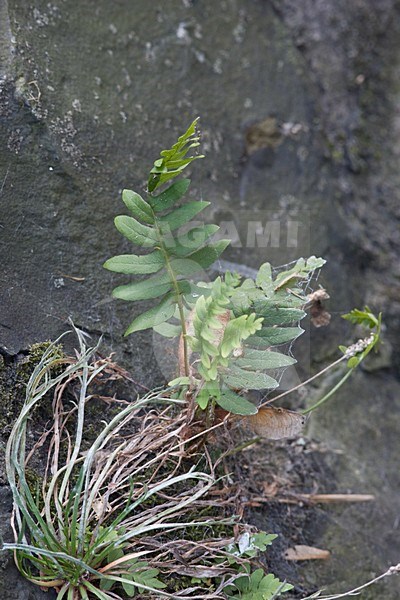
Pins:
x: 114, y: 519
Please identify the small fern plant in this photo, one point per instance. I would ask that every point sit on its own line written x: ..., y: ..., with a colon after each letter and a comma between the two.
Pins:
x: 227, y: 328
x: 173, y: 256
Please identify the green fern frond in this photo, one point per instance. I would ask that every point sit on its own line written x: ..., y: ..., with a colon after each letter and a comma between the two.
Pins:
x: 257, y: 586
x: 174, y: 160
x: 261, y: 314
x: 278, y: 300
x: 217, y: 334
x: 211, y: 317
x: 238, y: 330
x: 155, y: 224
x: 235, y: 322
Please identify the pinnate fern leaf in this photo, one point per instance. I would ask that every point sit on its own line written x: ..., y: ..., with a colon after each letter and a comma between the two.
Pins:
x: 154, y: 224
x: 258, y: 586
x: 234, y: 355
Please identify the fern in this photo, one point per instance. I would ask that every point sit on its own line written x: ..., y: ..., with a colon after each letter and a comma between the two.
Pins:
x: 258, y: 586
x: 173, y: 256
x: 217, y: 334
x: 235, y: 327
x: 211, y: 318
x: 135, y: 574
x: 278, y: 300
x: 235, y: 322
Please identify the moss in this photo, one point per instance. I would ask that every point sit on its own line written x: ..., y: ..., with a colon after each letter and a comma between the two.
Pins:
x: 337, y: 155
x: 32, y: 359
x: 14, y: 375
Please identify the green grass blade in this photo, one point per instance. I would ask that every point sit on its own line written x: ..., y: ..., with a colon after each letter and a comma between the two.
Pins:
x: 51, y: 554
x: 98, y: 593
x: 62, y: 592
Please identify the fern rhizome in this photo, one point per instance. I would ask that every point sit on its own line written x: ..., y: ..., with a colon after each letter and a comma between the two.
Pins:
x: 228, y: 328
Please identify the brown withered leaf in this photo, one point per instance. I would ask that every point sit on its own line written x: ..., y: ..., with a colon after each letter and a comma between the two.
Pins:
x: 320, y: 317
x: 276, y: 423
x: 301, y: 552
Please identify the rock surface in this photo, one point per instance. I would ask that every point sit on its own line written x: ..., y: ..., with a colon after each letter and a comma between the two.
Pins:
x: 299, y: 103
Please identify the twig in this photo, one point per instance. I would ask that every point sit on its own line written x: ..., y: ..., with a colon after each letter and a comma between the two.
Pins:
x: 306, y: 382
x: 393, y: 570
x: 311, y: 498
x: 332, y: 498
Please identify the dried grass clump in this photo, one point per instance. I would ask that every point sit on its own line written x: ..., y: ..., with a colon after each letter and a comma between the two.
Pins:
x: 124, y: 513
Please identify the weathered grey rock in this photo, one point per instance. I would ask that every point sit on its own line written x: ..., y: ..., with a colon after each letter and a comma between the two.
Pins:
x: 352, y: 53
x: 90, y: 99
x: 299, y: 105
x: 362, y: 429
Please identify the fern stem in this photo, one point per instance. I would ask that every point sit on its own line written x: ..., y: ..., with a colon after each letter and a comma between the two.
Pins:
x: 181, y: 312
x: 178, y: 299
x: 184, y: 334
x: 210, y: 413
